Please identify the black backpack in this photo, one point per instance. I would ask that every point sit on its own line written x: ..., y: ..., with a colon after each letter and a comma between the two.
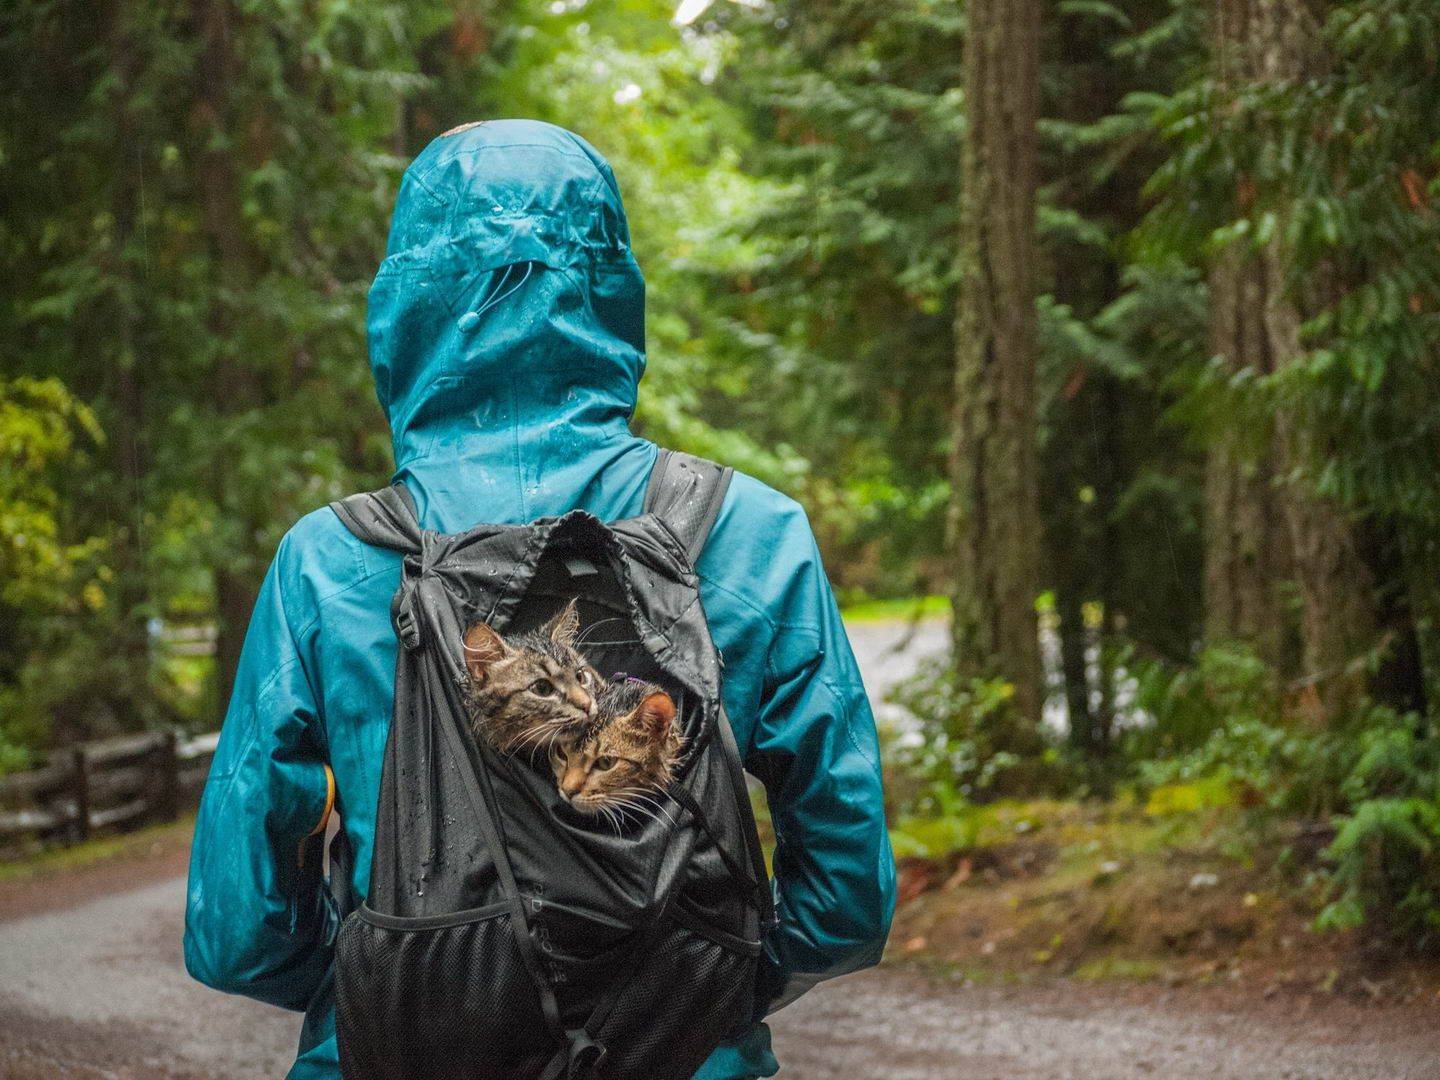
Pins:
x: 504, y: 934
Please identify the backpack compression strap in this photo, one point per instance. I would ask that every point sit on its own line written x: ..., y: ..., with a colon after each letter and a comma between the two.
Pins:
x: 686, y: 493
x: 384, y: 518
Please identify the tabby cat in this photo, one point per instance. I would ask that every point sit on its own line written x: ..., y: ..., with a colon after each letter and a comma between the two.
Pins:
x: 524, y: 693
x: 623, y: 758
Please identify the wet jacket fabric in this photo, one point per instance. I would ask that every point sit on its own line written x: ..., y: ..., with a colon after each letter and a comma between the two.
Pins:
x: 506, y: 329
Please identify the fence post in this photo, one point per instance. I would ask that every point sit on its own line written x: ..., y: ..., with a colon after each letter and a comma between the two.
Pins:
x: 167, y: 792
x: 80, y: 789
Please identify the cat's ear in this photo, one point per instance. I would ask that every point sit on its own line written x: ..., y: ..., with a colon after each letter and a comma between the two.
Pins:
x: 564, y: 628
x: 483, y: 647
x: 656, y: 713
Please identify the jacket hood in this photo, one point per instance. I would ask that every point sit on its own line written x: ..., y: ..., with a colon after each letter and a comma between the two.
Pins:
x: 506, y: 323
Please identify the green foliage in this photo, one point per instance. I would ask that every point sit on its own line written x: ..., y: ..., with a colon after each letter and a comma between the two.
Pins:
x: 1386, y: 853
x: 1220, y: 736
x: 1333, y: 175
x: 1227, y: 688
x: 842, y: 295
x: 1212, y: 790
x: 50, y: 580
x: 968, y: 742
x: 198, y: 197
x: 934, y: 835
x: 40, y: 427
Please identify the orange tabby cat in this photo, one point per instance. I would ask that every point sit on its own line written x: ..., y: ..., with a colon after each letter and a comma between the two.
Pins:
x: 625, y: 757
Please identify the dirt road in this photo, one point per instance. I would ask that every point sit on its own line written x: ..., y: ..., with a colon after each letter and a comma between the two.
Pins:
x: 91, y: 986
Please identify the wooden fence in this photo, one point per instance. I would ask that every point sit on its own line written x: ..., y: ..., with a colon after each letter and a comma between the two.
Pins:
x: 132, y: 780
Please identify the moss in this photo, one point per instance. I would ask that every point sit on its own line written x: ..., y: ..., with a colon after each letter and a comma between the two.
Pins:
x: 904, y: 608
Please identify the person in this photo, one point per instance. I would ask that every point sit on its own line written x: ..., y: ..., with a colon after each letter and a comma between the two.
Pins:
x: 506, y: 336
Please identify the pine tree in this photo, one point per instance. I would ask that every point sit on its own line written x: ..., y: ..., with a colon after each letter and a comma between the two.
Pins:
x: 995, y: 510
x: 1276, y: 45
x: 1247, y: 549
x: 205, y: 190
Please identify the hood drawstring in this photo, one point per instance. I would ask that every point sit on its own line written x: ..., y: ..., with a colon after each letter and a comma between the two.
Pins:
x: 471, y: 319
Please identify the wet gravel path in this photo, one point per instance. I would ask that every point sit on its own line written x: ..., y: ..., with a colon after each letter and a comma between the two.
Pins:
x: 97, y: 991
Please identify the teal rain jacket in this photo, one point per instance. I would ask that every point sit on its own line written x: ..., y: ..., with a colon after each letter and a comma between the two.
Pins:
x: 506, y: 331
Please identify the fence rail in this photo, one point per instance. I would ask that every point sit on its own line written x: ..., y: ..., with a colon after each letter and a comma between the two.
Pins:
x: 129, y: 780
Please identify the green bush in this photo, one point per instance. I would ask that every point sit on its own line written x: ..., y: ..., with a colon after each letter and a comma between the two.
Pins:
x: 970, y: 742
x: 1228, y: 688
x: 936, y: 836
x: 1267, y: 766
x: 1224, y: 721
x: 1377, y: 779
x: 1384, y: 868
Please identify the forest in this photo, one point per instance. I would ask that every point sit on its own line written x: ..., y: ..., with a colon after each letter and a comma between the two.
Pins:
x: 1113, y: 323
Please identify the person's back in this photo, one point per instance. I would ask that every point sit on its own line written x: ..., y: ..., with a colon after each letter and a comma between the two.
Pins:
x: 507, y: 337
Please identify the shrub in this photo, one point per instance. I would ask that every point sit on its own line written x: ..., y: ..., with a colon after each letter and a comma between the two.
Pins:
x: 1228, y: 687
x: 967, y: 741
x: 1384, y: 868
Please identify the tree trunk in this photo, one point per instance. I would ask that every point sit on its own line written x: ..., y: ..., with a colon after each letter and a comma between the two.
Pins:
x: 129, y: 642
x: 1337, y: 614
x: 994, y: 512
x: 234, y: 604
x: 232, y: 260
x: 1246, y: 547
x: 1420, y: 556
x: 1276, y: 42
x: 1074, y: 668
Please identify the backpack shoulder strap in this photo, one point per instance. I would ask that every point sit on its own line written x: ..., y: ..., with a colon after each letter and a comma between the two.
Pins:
x: 686, y: 492
x: 384, y: 518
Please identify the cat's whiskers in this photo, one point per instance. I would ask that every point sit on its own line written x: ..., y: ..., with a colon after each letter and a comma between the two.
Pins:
x: 584, y: 638
x: 635, y: 809
x: 539, y: 736
x: 639, y: 798
x: 635, y: 800
x: 613, y: 816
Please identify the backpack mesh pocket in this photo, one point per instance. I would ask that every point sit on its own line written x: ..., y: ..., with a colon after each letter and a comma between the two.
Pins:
x: 447, y: 1001
x: 455, y: 1001
x: 688, y: 995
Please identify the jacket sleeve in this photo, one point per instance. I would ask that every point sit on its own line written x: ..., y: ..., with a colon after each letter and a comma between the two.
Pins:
x: 257, y: 921
x: 816, y: 750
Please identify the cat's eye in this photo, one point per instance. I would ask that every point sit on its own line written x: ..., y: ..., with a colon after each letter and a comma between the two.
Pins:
x: 586, y: 677
x: 542, y: 688
x: 604, y: 763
